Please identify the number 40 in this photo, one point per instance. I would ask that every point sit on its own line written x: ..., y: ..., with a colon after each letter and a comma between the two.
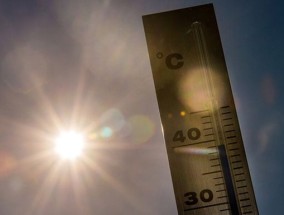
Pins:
x: 192, y: 134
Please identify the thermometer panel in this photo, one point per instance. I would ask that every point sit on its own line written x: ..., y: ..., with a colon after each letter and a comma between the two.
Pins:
x: 206, y: 155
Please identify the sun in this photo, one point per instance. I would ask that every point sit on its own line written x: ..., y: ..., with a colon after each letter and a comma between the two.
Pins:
x: 69, y: 145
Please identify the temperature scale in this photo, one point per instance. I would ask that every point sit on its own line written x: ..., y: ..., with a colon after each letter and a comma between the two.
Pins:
x: 205, y: 149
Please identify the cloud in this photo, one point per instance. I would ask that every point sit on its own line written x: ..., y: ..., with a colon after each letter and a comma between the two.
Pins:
x: 268, y: 89
x: 268, y: 131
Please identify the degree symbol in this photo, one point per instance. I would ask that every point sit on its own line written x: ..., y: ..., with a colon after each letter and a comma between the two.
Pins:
x: 159, y: 55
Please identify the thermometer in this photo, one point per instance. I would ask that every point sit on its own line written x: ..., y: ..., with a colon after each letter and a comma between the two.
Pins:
x: 206, y: 154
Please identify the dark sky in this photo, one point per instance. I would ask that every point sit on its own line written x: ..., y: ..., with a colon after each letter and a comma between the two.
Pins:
x: 84, y: 65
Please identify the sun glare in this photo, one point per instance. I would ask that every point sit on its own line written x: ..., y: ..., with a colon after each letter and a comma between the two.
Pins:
x: 69, y: 145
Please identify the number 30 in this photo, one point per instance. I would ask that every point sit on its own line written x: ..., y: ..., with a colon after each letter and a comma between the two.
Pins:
x: 192, y: 199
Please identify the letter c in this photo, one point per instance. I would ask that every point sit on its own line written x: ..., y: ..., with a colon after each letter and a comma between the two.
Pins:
x: 174, y: 61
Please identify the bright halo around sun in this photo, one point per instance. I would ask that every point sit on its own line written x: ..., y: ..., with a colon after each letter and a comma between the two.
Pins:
x: 69, y: 145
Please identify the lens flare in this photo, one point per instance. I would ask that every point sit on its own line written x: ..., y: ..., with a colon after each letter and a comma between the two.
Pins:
x: 194, y: 150
x: 106, y: 132
x: 142, y: 128
x: 193, y: 92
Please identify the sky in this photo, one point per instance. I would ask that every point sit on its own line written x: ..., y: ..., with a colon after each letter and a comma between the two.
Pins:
x: 85, y: 65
